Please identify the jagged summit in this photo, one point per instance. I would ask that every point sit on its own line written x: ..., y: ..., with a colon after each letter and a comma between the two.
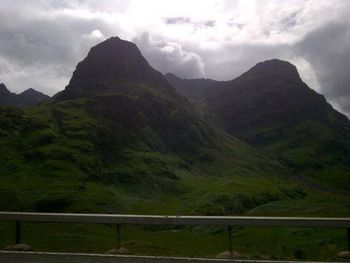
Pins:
x: 109, y: 64
x: 32, y: 91
x: 31, y: 97
x: 6, y: 96
x: 3, y: 89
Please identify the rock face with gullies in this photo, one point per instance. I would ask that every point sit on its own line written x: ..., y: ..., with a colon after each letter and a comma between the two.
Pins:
x: 29, y: 97
x: 122, y: 87
x: 269, y: 94
x: 270, y: 107
x: 109, y: 66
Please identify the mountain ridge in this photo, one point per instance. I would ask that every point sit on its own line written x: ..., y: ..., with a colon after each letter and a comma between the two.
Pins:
x: 29, y: 97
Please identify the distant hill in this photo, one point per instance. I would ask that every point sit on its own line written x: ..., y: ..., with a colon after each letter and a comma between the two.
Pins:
x: 29, y: 97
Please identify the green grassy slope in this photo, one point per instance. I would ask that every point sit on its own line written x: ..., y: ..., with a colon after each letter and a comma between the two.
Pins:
x: 66, y: 157
x: 315, y: 149
x: 52, y: 160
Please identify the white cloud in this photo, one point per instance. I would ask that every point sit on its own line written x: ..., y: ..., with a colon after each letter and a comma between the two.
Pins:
x: 167, y: 56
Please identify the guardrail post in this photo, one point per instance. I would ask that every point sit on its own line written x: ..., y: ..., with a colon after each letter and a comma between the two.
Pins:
x: 118, y: 240
x: 18, y: 232
x: 229, y: 231
x: 348, y: 237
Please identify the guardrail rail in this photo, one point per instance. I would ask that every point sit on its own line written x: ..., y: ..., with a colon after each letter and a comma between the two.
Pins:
x: 119, y: 220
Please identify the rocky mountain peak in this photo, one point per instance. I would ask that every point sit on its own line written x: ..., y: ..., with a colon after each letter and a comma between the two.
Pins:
x: 29, y: 97
x: 113, y: 61
x: 273, y: 68
x: 30, y: 91
x: 3, y: 89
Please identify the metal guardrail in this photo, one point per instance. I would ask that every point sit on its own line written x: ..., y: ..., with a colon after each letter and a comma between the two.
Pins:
x: 228, y: 221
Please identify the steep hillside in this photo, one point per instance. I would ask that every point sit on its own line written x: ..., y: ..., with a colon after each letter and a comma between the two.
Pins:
x: 272, y: 108
x: 271, y: 94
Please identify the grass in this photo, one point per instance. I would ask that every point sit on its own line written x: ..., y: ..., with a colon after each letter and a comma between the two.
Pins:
x: 316, y: 149
x: 64, y: 157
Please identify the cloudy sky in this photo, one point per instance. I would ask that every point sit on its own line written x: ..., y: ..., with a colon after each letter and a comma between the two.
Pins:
x: 42, y: 41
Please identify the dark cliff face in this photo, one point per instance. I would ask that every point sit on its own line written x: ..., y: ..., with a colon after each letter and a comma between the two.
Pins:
x: 109, y: 66
x: 270, y: 107
x: 29, y: 97
x: 270, y: 94
x: 3, y: 89
x: 6, y: 97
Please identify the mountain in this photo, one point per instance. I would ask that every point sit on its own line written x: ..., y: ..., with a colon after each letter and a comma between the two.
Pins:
x: 117, y: 136
x: 122, y: 87
x: 29, y: 97
x: 111, y: 66
x: 6, y: 97
x: 271, y: 94
x: 120, y: 139
x: 270, y: 107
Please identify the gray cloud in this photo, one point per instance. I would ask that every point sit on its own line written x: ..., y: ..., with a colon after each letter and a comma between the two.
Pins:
x: 177, y: 20
x: 182, y: 20
x: 40, y: 49
x: 232, y: 60
x: 327, y: 49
